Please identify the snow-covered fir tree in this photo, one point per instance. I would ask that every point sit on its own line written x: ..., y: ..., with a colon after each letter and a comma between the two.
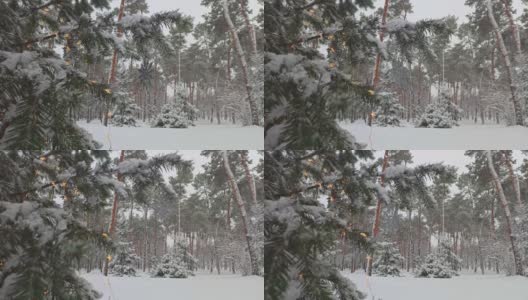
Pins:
x: 44, y: 201
x: 301, y: 231
x: 306, y: 91
x: 172, y: 115
x: 179, y: 114
x: 177, y: 263
x: 123, y: 261
x: 389, y: 110
x: 435, y: 266
x: 443, y: 114
x: 388, y: 260
x: 125, y: 111
x: 42, y: 88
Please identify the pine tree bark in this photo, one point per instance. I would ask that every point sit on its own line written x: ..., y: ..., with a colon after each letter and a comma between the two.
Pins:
x: 509, y: 70
x: 377, y: 217
x: 513, y: 26
x: 250, y: 27
x: 243, y: 214
x: 249, y: 177
x: 377, y: 66
x: 113, y: 220
x: 243, y: 63
x: 505, y: 206
x: 113, y: 67
x: 514, y: 179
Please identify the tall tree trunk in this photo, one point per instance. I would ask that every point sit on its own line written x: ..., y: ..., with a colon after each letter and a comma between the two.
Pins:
x: 409, y: 252
x: 504, y: 203
x: 243, y: 214
x: 243, y: 63
x: 514, y: 28
x: 514, y: 179
x: 250, y: 27
x: 111, y: 229
x: 377, y: 217
x: 507, y: 61
x: 377, y: 66
x: 249, y: 176
x: 113, y: 67
x: 145, y: 252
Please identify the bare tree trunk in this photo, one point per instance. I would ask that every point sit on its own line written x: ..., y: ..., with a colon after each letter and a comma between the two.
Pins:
x: 113, y: 67
x: 514, y: 28
x: 504, y: 203
x: 377, y: 217
x: 249, y: 176
x: 409, y: 253
x: 514, y: 179
x: 145, y: 252
x: 243, y: 63
x: 516, y: 103
x: 228, y: 67
x: 251, y: 28
x: 111, y: 229
x: 377, y: 66
x: 243, y: 214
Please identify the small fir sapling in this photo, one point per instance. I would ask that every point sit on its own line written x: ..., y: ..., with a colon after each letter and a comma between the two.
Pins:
x: 124, y: 112
x: 124, y: 261
x: 441, y: 264
x: 389, y: 110
x: 179, y: 114
x: 178, y: 263
x: 434, y: 266
x: 388, y: 260
x: 443, y: 114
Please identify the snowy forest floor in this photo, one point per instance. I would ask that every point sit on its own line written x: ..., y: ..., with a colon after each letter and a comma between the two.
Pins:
x: 199, y: 287
x: 467, y: 286
x: 466, y: 136
x: 202, y: 136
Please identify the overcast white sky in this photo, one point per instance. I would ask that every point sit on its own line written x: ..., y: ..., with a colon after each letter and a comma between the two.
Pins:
x: 449, y: 157
x: 188, y: 7
x: 434, y: 9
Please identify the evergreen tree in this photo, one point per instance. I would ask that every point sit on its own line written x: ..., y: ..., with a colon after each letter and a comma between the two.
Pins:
x: 389, y: 110
x: 388, y: 260
x: 125, y: 111
x: 443, y: 114
x: 299, y: 231
x: 306, y: 92
x: 435, y: 266
x: 175, y: 115
x: 178, y: 263
x: 124, y: 261
x: 41, y: 88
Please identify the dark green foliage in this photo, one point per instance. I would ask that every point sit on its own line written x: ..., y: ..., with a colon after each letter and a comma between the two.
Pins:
x: 41, y: 91
x: 45, y: 240
x: 178, y: 263
x: 389, y: 110
x: 124, y: 113
x: 307, y: 92
x: 299, y: 230
x: 387, y: 260
x: 444, y: 114
x: 441, y: 264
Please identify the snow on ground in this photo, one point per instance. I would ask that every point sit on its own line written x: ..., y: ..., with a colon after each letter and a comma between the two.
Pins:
x: 466, y: 136
x: 464, y: 287
x: 202, y: 136
x: 199, y: 287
